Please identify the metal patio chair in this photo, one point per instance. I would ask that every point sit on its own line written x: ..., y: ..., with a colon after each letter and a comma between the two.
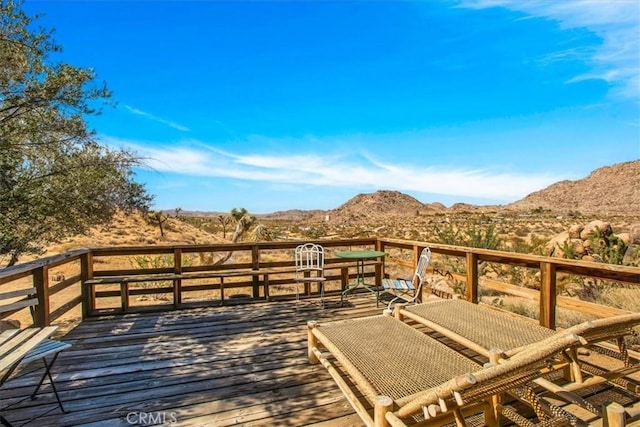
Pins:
x: 409, y: 290
x: 309, y: 259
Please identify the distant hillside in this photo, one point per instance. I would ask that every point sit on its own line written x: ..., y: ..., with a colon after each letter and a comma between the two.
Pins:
x: 131, y: 229
x: 608, y: 190
x: 380, y: 204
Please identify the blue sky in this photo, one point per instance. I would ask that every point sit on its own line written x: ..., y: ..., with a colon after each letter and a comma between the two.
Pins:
x: 276, y: 105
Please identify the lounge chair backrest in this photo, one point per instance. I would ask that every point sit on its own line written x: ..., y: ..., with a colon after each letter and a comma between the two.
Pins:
x: 421, y: 268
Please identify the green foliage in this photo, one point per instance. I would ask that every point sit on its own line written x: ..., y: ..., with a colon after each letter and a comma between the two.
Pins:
x: 447, y: 234
x: 474, y: 236
x: 568, y: 249
x: 540, y: 210
x: 313, y: 232
x: 55, y: 179
x: 610, y: 248
x: 483, y: 237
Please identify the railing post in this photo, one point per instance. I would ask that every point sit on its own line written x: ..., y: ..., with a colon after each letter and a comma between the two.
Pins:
x: 416, y: 259
x: 380, y: 268
x: 41, y: 282
x: 88, y: 295
x: 548, y: 294
x: 472, y: 277
x: 255, y: 265
x: 177, y: 283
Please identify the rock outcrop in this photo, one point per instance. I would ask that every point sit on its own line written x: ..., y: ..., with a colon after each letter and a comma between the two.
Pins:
x: 596, y: 242
x: 608, y: 190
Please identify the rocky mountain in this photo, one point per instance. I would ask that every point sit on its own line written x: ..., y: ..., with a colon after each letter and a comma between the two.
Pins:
x: 382, y: 203
x: 609, y: 190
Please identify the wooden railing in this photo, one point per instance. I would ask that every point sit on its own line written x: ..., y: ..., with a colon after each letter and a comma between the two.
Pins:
x: 258, y: 272
x: 549, y: 268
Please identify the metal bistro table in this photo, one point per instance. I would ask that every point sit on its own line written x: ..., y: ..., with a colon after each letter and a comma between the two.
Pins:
x: 360, y: 257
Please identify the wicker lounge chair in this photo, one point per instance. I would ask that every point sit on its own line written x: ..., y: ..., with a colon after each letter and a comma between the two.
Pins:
x: 489, y: 331
x: 393, y: 374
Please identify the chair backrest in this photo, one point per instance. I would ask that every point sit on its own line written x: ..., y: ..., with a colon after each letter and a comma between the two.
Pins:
x: 11, y: 302
x: 421, y: 268
x: 309, y: 257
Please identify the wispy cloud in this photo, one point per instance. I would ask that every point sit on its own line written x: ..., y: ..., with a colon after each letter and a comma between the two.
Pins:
x: 156, y: 119
x: 616, y: 60
x: 358, y: 171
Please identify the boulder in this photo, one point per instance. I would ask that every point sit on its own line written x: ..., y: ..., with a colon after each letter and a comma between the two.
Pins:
x: 632, y: 255
x: 592, y: 228
x: 592, y: 258
x: 634, y: 235
x: 575, y: 230
x: 553, y: 246
x: 578, y: 247
x: 625, y: 237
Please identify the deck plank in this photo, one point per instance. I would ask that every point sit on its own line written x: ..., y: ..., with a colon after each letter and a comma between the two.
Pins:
x: 205, y: 366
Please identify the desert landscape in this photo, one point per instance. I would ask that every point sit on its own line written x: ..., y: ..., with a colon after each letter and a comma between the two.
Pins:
x: 594, y: 219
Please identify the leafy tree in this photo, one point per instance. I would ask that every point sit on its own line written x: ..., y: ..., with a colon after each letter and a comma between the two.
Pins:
x: 55, y: 179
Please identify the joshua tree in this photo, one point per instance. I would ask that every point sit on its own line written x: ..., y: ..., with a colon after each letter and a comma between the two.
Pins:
x: 224, y: 220
x: 158, y: 217
x: 244, y: 221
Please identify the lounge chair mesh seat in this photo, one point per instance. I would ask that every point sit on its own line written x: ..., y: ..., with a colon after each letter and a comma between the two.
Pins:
x: 482, y: 325
x: 405, y: 369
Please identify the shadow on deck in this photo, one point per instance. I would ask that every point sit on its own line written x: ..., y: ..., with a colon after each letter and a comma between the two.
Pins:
x: 244, y: 364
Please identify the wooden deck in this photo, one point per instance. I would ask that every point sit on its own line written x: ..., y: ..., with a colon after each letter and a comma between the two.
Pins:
x: 244, y: 364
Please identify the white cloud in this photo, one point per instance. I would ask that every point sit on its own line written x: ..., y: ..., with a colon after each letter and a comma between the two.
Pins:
x: 357, y: 171
x: 617, y: 22
x: 156, y: 119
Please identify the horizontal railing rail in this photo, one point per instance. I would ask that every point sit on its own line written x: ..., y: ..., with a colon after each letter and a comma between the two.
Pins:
x: 549, y: 268
x: 261, y: 267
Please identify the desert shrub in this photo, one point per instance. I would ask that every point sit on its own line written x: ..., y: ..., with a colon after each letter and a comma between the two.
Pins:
x: 569, y: 250
x: 473, y: 235
x: 160, y: 261
x: 610, y: 248
x: 447, y: 234
x: 314, y: 232
x: 483, y: 237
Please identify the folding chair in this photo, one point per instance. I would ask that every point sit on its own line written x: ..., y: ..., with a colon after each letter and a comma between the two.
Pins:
x: 22, y: 347
x: 409, y: 290
x: 309, y: 259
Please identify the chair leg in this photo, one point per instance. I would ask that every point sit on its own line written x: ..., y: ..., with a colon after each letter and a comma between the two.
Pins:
x: 47, y: 373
